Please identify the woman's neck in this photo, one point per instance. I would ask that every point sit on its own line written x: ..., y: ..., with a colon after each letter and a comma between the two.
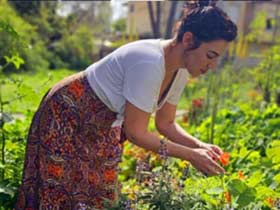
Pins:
x: 171, y: 56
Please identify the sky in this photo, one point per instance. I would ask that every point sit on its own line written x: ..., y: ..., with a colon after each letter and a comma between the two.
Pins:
x: 118, y: 9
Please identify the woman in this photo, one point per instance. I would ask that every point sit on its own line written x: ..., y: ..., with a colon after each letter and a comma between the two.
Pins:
x: 76, y: 137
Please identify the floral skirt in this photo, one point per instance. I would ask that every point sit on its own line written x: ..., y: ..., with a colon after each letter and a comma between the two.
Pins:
x: 72, y: 151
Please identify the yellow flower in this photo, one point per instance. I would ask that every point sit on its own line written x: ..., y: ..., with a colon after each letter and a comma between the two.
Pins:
x: 136, y: 188
x: 183, y: 164
x: 131, y: 196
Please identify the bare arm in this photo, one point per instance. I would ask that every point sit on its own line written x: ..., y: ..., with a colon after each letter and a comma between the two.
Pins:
x: 166, y: 125
x: 136, y: 124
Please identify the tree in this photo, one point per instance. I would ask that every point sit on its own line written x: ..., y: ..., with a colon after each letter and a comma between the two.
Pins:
x: 170, y: 20
x: 155, y: 20
x: 26, y: 8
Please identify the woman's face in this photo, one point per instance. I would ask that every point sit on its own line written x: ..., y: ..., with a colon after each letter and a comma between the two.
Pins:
x: 203, y: 58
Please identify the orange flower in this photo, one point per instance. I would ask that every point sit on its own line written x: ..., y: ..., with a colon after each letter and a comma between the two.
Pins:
x: 76, y: 88
x: 224, y: 159
x: 270, y: 202
x: 227, y: 196
x: 55, y: 170
x: 110, y: 175
x: 241, y: 175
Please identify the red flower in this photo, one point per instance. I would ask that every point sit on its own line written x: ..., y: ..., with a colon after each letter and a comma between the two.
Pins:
x: 241, y: 175
x: 270, y: 202
x: 227, y: 197
x: 198, y: 103
x: 224, y: 159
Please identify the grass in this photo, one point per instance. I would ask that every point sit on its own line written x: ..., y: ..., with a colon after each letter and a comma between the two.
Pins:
x: 32, y: 87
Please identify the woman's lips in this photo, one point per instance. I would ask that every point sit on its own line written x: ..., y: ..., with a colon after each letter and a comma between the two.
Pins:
x: 203, y: 71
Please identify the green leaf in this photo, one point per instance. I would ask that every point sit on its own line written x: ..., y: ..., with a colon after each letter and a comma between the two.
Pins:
x: 215, y: 191
x: 255, y: 178
x: 246, y: 197
x: 264, y: 191
x: 15, y: 59
x: 4, y: 26
x: 237, y: 187
x: 277, y: 178
x: 273, y: 151
x: 2, y: 166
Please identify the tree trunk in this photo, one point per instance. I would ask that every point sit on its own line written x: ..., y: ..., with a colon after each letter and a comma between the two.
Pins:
x: 155, y: 22
x: 170, y: 21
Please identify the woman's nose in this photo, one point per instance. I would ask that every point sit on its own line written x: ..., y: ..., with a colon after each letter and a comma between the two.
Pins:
x: 212, y: 65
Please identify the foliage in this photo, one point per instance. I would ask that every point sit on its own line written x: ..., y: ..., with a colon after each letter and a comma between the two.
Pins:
x: 251, y: 179
x: 119, y: 26
x: 31, y: 8
x: 76, y: 49
x: 26, y: 43
x: 52, y: 40
x: 7, y: 187
x: 266, y: 75
x: 13, y: 132
x: 257, y: 26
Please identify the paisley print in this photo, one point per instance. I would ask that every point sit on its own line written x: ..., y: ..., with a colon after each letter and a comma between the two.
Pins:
x: 72, y: 151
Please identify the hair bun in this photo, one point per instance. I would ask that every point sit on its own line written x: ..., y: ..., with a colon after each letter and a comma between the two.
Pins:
x: 203, y: 3
x: 192, y: 4
x: 206, y: 3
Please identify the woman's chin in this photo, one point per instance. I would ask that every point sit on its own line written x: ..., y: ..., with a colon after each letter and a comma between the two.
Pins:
x: 194, y: 74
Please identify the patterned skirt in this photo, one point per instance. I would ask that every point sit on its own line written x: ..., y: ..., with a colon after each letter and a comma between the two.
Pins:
x: 72, y: 151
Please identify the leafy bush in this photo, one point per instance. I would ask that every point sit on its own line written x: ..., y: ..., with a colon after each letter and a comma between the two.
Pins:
x: 75, y: 49
x: 28, y: 45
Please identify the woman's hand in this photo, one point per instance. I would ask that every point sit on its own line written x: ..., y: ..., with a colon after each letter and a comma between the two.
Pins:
x: 214, y: 151
x: 202, y: 160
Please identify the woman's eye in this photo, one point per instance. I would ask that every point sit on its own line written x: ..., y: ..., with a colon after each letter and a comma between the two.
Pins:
x: 211, y: 55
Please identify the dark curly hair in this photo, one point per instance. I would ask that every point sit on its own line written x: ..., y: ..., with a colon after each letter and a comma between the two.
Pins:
x: 207, y: 24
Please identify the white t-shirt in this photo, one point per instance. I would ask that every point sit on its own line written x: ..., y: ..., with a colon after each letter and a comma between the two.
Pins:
x: 134, y: 72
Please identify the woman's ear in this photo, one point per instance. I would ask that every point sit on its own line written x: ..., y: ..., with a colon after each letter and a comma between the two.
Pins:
x: 187, y: 40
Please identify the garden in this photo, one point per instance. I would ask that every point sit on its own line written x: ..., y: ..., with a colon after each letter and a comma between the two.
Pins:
x: 236, y: 107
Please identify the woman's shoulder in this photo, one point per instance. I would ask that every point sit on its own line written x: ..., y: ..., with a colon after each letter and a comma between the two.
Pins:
x: 148, y: 50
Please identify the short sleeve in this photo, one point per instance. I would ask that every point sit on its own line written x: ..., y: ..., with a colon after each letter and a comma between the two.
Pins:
x: 178, y: 87
x: 142, y: 84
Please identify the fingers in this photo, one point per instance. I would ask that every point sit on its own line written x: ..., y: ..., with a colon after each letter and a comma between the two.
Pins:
x: 217, y: 150
x: 216, y: 169
x: 214, y: 156
x: 206, y: 162
x: 213, y: 168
